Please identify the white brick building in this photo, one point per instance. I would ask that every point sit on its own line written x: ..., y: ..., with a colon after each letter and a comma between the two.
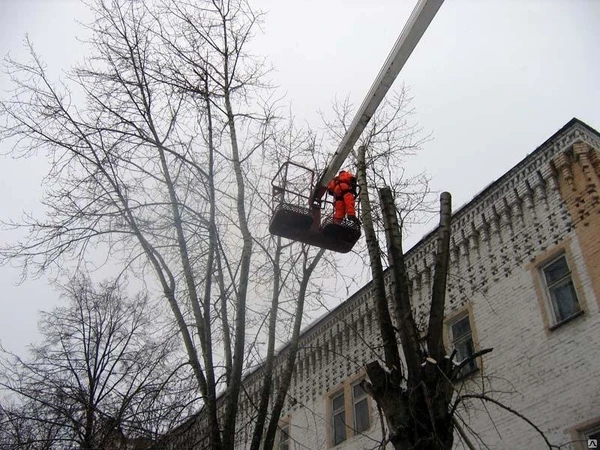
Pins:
x: 524, y: 280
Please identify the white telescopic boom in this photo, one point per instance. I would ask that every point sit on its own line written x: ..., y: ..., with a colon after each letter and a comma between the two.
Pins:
x: 417, y: 23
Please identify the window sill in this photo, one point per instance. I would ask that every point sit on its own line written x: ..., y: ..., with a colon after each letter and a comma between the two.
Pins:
x: 355, y: 436
x: 567, y: 320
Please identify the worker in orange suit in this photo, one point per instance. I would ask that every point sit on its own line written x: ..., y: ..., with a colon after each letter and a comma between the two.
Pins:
x: 343, y: 189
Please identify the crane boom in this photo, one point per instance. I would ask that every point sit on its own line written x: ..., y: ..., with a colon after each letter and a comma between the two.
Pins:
x: 412, y: 32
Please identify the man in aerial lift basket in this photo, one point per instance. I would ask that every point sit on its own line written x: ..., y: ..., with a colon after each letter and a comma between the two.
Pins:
x: 343, y: 189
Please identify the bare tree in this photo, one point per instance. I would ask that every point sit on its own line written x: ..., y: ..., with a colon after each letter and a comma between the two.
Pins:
x: 99, y: 364
x: 159, y: 156
x: 18, y: 431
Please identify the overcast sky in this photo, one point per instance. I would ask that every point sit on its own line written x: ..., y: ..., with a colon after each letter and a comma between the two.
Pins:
x: 491, y: 80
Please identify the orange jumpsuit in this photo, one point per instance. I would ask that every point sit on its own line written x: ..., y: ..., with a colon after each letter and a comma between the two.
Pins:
x: 342, y: 190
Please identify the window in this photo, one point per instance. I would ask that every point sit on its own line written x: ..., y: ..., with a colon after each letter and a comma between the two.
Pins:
x: 349, y: 411
x: 339, y: 419
x: 586, y: 435
x: 462, y: 342
x: 361, y: 408
x: 558, y: 285
x: 561, y: 291
x: 284, y: 437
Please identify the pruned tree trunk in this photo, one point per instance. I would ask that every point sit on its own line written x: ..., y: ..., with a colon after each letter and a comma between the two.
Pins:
x: 435, y: 338
x: 416, y: 407
x: 405, y: 321
x: 384, y: 319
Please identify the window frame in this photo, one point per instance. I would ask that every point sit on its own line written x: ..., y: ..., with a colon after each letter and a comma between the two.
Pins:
x: 334, y: 412
x: 346, y: 388
x: 456, y: 341
x: 355, y: 402
x: 580, y: 433
x: 539, y: 283
x: 452, y: 319
x: 550, y: 286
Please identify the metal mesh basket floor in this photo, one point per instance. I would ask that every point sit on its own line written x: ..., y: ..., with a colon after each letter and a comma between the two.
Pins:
x: 296, y: 223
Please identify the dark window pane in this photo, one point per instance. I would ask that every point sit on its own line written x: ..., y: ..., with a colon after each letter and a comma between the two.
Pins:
x: 462, y: 341
x: 556, y: 270
x: 564, y: 301
x: 338, y: 402
x: 358, y: 391
x: 594, y: 435
x: 339, y: 428
x: 461, y: 328
x: 464, y: 350
x: 361, y: 416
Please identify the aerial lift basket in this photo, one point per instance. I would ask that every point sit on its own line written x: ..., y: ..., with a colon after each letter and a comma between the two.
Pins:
x: 295, y: 218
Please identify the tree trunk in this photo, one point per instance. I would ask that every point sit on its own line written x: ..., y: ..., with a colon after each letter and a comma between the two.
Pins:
x: 286, y: 378
x: 390, y: 347
x: 265, y: 393
x: 435, y: 339
x: 417, y: 414
x: 409, y: 336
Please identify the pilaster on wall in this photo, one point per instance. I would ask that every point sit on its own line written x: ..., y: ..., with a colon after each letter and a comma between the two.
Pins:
x: 578, y: 169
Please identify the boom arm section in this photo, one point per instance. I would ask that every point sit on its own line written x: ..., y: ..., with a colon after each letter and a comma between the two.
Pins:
x: 414, y: 29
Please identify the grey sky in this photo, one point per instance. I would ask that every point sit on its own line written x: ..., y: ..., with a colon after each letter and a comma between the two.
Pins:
x: 490, y: 79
